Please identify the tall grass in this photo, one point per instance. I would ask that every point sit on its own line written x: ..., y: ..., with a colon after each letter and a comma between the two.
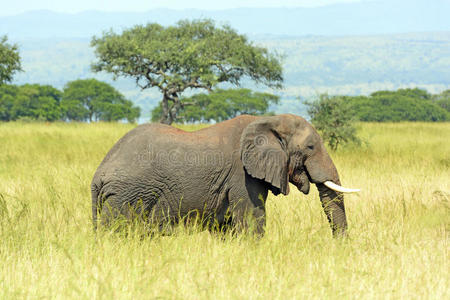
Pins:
x: 399, y: 227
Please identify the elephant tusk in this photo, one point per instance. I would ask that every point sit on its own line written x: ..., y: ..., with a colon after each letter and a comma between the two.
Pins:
x: 338, y: 188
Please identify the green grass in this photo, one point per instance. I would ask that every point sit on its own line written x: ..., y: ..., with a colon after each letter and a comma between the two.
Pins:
x: 399, y: 227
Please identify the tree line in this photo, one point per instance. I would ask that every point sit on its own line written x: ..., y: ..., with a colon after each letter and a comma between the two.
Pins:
x: 401, y: 105
x: 188, y: 56
x: 335, y: 116
x: 80, y: 100
x: 199, y: 55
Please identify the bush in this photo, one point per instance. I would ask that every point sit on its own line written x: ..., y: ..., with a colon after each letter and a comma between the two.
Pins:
x: 333, y: 118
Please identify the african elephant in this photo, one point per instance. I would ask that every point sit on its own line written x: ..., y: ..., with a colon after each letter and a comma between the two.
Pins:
x: 226, y: 170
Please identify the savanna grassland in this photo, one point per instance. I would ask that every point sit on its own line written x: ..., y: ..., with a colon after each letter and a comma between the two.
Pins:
x: 398, y: 245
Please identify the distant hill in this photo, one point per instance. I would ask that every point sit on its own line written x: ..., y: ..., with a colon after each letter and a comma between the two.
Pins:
x: 359, y: 18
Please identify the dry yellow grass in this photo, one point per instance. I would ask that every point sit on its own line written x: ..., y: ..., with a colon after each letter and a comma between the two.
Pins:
x: 398, y: 245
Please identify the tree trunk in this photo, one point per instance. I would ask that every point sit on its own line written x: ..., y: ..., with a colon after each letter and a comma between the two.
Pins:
x: 166, y: 116
x: 176, y: 108
x: 169, y: 114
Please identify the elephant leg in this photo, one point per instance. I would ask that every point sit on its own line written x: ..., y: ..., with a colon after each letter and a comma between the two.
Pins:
x: 162, y: 217
x: 111, y: 214
x: 115, y: 212
x: 247, y: 214
x: 249, y: 219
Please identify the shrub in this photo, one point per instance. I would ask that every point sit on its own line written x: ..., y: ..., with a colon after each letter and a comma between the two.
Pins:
x: 333, y: 118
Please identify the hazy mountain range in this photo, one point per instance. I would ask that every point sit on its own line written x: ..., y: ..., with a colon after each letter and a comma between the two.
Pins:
x: 360, y: 18
x: 354, y: 48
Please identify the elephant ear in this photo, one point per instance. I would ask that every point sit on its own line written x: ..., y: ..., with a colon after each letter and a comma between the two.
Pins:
x: 263, y: 153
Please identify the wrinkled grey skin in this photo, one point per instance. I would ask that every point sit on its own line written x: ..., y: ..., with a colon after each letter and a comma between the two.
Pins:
x: 162, y: 173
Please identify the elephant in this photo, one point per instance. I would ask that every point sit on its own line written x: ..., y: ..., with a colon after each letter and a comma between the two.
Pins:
x: 222, y: 173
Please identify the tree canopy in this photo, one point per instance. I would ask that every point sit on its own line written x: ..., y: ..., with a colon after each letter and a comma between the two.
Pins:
x: 29, y: 101
x: 400, y: 105
x: 9, y: 60
x: 188, y: 55
x: 90, y: 99
x: 443, y: 100
x: 221, y: 105
x: 81, y: 100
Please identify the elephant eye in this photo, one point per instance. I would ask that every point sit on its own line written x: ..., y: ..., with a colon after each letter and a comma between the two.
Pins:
x: 311, y: 147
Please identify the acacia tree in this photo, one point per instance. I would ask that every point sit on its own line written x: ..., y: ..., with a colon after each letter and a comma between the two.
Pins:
x: 188, y: 55
x: 9, y: 60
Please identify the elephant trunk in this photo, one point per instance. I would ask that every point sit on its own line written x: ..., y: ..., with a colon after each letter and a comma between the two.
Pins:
x: 333, y: 205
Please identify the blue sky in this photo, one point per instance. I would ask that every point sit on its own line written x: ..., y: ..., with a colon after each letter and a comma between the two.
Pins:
x: 14, y: 7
